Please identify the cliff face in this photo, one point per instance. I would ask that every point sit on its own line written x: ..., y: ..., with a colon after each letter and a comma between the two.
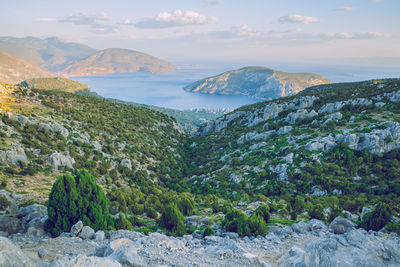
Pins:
x: 14, y: 70
x: 258, y: 82
x: 118, y: 60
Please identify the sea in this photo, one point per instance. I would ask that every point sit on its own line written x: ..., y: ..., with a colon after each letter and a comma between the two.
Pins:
x: 166, y: 90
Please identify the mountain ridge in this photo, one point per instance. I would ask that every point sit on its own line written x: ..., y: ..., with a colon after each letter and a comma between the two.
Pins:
x: 258, y: 82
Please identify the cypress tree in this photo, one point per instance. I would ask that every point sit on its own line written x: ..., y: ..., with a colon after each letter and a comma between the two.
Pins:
x: 73, y: 199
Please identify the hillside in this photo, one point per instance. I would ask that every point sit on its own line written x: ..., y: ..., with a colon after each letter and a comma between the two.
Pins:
x: 339, y: 139
x: 47, y: 132
x: 14, y: 70
x: 57, y: 83
x: 52, y: 54
x: 295, y: 181
x: 257, y: 82
x: 117, y: 60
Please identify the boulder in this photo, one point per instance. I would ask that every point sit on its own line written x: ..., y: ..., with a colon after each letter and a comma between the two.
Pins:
x: 57, y: 160
x: 8, y: 203
x: 13, y: 156
x: 300, y: 227
x: 341, y: 225
x: 11, y: 255
x: 10, y: 225
x: 99, y: 236
x: 126, y: 163
x: 86, y: 233
x: 284, y: 130
x: 76, y: 228
x: 317, y: 225
x: 33, y: 216
x: 128, y: 256
x: 84, y: 261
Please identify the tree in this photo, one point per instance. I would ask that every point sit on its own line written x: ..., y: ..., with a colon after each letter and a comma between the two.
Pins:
x: 234, y: 220
x: 73, y: 199
x: 378, y: 218
x: 173, y: 220
x: 186, y: 205
x: 297, y: 206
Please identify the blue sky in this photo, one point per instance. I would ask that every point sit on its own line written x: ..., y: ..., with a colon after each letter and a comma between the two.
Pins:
x: 216, y: 29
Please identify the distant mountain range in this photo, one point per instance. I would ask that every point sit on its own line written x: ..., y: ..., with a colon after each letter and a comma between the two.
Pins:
x: 14, y: 70
x: 114, y: 60
x: 73, y: 59
x: 52, y: 54
x: 257, y: 82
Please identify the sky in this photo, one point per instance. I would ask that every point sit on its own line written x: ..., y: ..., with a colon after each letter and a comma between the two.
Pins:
x: 179, y: 30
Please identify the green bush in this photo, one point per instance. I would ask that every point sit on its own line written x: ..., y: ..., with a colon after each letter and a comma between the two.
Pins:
x: 378, y: 218
x: 186, y: 205
x: 257, y: 225
x: 263, y: 211
x: 208, y: 231
x: 73, y: 199
x: 123, y: 223
x: 234, y: 220
x: 173, y: 220
x: 317, y: 212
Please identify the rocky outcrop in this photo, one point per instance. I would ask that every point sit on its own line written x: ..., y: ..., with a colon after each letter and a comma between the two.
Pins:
x: 57, y: 160
x: 11, y: 207
x: 13, y: 156
x: 341, y: 225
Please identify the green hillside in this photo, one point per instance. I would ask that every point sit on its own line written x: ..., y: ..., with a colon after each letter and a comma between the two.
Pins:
x: 56, y: 83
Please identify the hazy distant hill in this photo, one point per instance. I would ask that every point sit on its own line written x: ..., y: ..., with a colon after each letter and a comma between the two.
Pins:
x: 258, y: 82
x: 52, y: 53
x: 14, y: 70
x: 114, y: 60
x: 56, y: 83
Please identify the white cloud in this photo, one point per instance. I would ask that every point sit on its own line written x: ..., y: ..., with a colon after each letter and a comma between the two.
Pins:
x: 86, y: 19
x: 175, y: 18
x: 213, y: 2
x: 241, y: 32
x: 46, y: 19
x: 98, y: 23
x: 295, y: 18
x: 345, y: 8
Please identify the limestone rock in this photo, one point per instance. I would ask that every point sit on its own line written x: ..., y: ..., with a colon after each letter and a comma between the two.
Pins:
x: 84, y: 261
x: 11, y: 255
x: 10, y: 225
x: 341, y: 225
x: 364, y: 211
x: 126, y: 163
x: 13, y: 156
x: 86, y: 233
x: 57, y: 160
x: 128, y: 255
x: 99, y: 236
x: 76, y: 228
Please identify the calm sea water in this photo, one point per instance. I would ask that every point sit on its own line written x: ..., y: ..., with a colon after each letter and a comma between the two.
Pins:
x: 165, y: 90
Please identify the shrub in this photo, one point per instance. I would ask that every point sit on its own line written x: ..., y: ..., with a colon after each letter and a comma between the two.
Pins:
x: 378, y: 218
x: 234, y: 220
x: 297, y: 206
x: 73, y: 199
x: 173, y: 220
x: 123, y: 223
x: 186, y: 205
x: 317, y: 212
x: 151, y: 213
x: 263, y: 211
x: 208, y: 231
x: 257, y: 225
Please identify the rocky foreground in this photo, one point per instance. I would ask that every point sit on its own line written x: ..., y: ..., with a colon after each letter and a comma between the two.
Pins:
x: 23, y: 242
